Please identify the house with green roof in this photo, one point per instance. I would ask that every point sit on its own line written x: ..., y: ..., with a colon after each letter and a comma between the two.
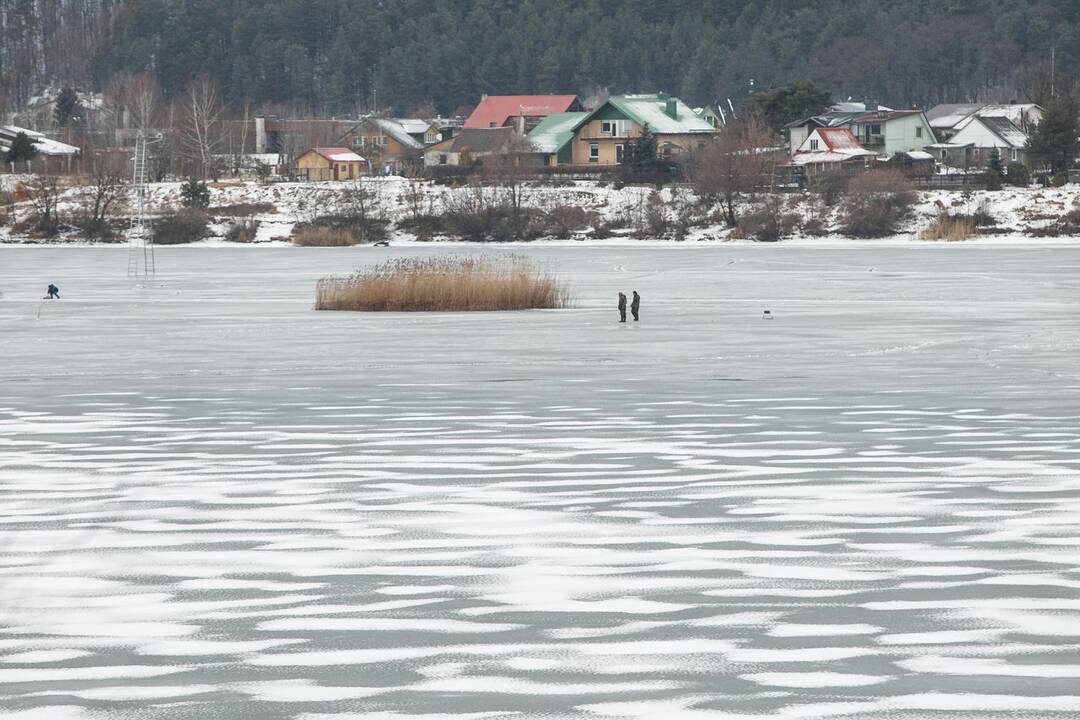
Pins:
x: 601, y: 138
x: 553, y: 138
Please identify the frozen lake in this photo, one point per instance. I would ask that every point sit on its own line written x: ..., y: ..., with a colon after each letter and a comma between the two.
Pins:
x: 217, y: 503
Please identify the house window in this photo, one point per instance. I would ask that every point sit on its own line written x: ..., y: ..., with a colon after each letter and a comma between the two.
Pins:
x: 918, y: 132
x: 614, y: 128
x: 1015, y: 155
x: 814, y: 144
x: 619, y: 154
x: 443, y: 159
x: 875, y: 129
x: 594, y: 153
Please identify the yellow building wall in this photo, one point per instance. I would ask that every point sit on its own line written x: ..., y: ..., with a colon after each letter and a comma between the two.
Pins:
x: 316, y: 168
x: 589, y: 134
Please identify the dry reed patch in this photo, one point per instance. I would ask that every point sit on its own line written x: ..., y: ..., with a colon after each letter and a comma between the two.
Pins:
x: 452, y: 284
x: 949, y: 229
x: 323, y: 236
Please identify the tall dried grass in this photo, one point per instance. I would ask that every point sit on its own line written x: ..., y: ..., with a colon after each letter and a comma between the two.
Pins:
x: 323, y: 236
x: 949, y: 229
x: 452, y: 284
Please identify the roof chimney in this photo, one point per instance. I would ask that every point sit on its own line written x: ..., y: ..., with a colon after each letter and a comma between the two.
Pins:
x: 671, y: 108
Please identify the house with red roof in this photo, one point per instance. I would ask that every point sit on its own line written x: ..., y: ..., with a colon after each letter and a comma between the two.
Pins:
x: 333, y: 163
x: 830, y: 150
x: 523, y: 112
x: 877, y: 128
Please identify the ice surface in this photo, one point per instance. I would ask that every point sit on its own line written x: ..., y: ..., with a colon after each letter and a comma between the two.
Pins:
x: 215, y: 502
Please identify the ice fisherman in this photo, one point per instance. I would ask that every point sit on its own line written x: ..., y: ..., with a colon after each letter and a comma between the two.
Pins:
x: 52, y: 292
x: 622, y: 307
x: 635, y: 306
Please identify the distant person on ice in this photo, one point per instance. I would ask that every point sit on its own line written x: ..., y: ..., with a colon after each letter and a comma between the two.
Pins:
x: 53, y: 292
x: 635, y: 306
x: 622, y: 307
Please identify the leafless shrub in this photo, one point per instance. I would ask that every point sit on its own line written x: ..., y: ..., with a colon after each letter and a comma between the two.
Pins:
x: 444, y: 284
x: 767, y: 222
x: 243, y: 231
x: 44, y: 196
x: 876, y: 203
x: 482, y: 213
x: 185, y: 226
x: 243, y: 210
x: 564, y: 221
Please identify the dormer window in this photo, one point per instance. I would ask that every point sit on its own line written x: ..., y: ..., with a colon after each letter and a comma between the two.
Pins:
x: 814, y: 144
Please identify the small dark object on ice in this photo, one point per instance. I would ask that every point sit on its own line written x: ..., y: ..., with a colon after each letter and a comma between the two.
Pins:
x: 622, y: 307
x: 383, y: 243
x: 767, y: 316
x: 52, y: 292
x: 635, y: 306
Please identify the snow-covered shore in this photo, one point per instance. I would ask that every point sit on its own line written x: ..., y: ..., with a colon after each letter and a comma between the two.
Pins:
x: 1021, y: 215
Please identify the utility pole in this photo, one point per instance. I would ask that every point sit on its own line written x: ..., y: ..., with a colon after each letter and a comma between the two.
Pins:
x: 1053, y: 71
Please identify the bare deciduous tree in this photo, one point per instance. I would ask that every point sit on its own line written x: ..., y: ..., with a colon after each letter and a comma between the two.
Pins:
x: 43, y: 193
x: 104, y: 192
x: 200, y: 131
x: 732, y: 167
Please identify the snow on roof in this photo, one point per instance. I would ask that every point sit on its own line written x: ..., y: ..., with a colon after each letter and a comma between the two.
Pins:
x: 840, y: 145
x: 1017, y: 113
x: 557, y: 129
x: 413, y: 126
x: 336, y: 154
x: 855, y: 107
x: 45, y: 145
x: 495, y: 110
x: 396, y: 129
x: 651, y: 110
x: 838, y: 139
x: 1006, y: 130
x: 948, y: 116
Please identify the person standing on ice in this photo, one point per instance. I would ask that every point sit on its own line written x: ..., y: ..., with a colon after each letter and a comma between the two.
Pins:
x: 635, y: 306
x: 622, y: 307
x: 52, y: 292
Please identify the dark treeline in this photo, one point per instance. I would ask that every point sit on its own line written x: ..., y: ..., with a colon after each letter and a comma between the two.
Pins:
x: 340, y: 56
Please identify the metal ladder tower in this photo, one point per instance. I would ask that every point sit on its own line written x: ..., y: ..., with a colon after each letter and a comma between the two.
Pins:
x: 140, y: 242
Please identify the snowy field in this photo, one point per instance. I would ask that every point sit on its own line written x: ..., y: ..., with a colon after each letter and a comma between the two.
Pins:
x: 216, y: 503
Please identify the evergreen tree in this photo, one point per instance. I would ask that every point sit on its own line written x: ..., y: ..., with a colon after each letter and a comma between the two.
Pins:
x: 994, y: 171
x: 67, y: 109
x: 22, y: 149
x: 789, y: 103
x: 195, y: 194
x: 639, y: 157
x: 1055, y: 139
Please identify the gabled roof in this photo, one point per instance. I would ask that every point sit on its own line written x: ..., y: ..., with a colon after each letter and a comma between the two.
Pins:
x: 395, y: 128
x: 840, y: 146
x: 849, y: 106
x: 948, y: 116
x: 836, y: 118
x: 555, y: 131
x: 651, y: 111
x: 495, y: 110
x: 45, y: 145
x: 1006, y: 130
x: 477, y: 140
x: 413, y: 126
x: 334, y: 154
